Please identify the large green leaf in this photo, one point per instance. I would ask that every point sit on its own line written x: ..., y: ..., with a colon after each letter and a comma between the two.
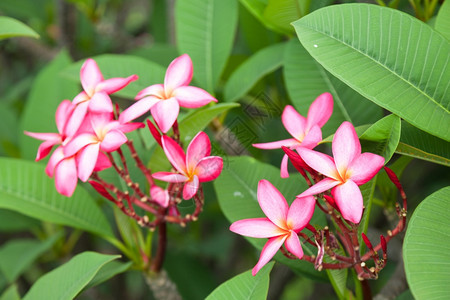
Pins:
x: 10, y: 27
x: 25, y: 188
x: 48, y: 90
x: 244, y: 286
x: 443, y: 20
x: 17, y: 255
x: 253, y: 69
x: 115, y: 65
x: 66, y: 281
x: 388, y: 56
x: 382, y: 137
x: 419, y: 144
x: 426, y: 247
x: 205, y: 30
x: 236, y: 189
x: 305, y: 79
x: 281, y: 13
x: 11, y: 221
x: 11, y: 293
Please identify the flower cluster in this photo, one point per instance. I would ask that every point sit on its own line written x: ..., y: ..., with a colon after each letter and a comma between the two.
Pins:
x: 89, y: 131
x: 342, y: 174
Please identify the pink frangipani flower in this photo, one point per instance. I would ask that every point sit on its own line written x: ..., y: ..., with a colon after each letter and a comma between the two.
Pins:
x: 95, y: 97
x: 305, y: 131
x: 164, y: 100
x: 345, y: 172
x: 195, y: 166
x: 281, y: 225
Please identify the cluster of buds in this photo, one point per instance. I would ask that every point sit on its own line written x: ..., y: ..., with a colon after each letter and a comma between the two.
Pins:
x: 89, y: 131
x: 333, y: 187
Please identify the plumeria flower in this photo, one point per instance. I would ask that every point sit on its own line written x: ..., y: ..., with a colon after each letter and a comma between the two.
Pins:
x: 160, y: 195
x: 305, y: 131
x: 281, y: 225
x: 345, y: 172
x: 164, y: 100
x: 63, y: 113
x: 105, y: 135
x: 195, y: 166
x: 95, y: 97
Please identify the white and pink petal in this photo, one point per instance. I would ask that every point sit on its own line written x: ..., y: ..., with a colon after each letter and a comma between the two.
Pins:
x: 257, y: 228
x: 272, y: 203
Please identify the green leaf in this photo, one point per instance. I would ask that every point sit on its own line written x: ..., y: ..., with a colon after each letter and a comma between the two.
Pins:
x: 17, y: 255
x: 11, y: 293
x: 426, y: 247
x: 11, y: 221
x: 382, y: 137
x: 253, y: 69
x: 443, y: 20
x: 107, y: 272
x: 120, y: 65
x: 162, y: 54
x: 367, y: 191
x: 305, y: 79
x: 421, y: 145
x: 338, y: 279
x: 236, y: 189
x: 244, y: 286
x: 66, y: 281
x: 281, y: 13
x: 10, y: 27
x: 205, y: 30
x: 47, y: 92
x: 189, y: 126
x: 25, y: 188
x: 388, y: 190
x: 387, y: 56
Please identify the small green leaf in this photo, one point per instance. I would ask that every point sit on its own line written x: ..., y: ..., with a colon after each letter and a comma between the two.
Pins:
x: 419, y: 144
x: 443, y: 20
x: 10, y: 27
x: 66, y: 281
x: 253, y: 69
x: 281, y: 13
x: 236, y: 189
x: 244, y: 286
x: 387, y: 56
x: 25, y: 188
x: 382, y: 137
x: 120, y: 65
x: 205, y: 30
x: 107, y: 272
x: 17, y: 255
x: 11, y: 293
x: 426, y: 247
x: 305, y: 79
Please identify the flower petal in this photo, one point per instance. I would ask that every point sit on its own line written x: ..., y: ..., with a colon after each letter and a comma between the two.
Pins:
x: 365, y: 167
x: 257, y: 228
x: 321, y: 186
x: 277, y: 144
x: 137, y: 109
x: 102, y: 163
x: 300, y: 212
x: 175, y: 154
x: 294, y: 122
x: 312, y: 138
x: 45, y: 148
x: 179, y: 73
x: 100, y: 103
x: 192, y: 97
x: 270, y: 249
x: 63, y: 112
x: 209, y: 168
x: 170, y: 177
x: 165, y: 113
x: 320, y: 111
x: 284, y: 167
x: 319, y: 162
x: 112, y: 141
x: 90, y: 76
x: 198, y: 148
x: 81, y: 97
x: 160, y: 195
x: 113, y: 85
x: 54, y: 160
x: 190, y: 188
x: 66, y: 176
x: 79, y: 142
x: 346, y: 147
x: 43, y: 136
x: 76, y: 118
x: 155, y: 90
x: 272, y: 203
x: 293, y: 245
x: 349, y: 200
x: 85, y: 159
